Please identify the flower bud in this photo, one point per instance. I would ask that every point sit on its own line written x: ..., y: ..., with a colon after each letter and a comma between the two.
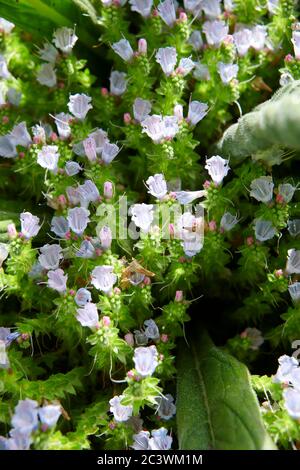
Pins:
x: 142, y: 46
x: 179, y: 296
x: 108, y: 189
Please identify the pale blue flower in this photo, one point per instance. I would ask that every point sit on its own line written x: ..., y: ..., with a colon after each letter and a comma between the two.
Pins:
x: 6, y: 26
x: 286, y: 365
x: 48, y: 53
x: 157, y: 186
x: 82, y: 297
x: 79, y: 105
x: 121, y: 412
x: 201, y: 71
x: 4, y: 72
x: 17, y: 440
x: 29, y: 225
x: 228, y: 221
x: 123, y: 49
x: 166, y: 407
x: 192, y: 243
x: 295, y: 378
x: 62, y: 124
x: 262, y: 189
x: 88, y: 315
x: 185, y: 66
x: 167, y: 59
x: 145, y: 360
x: 294, y: 227
x: 39, y: 133
x: 229, y: 5
x: 294, y: 290
x: 109, y: 152
x: 60, y: 226
x: 296, y: 43
x: 48, y: 157
x: 196, y: 40
x: 227, y: 72
x: 151, y: 330
x: 167, y: 12
x: 78, y: 219
x: 8, y: 147
x: 211, y: 8
x: 215, y: 32
x: 65, y: 39
x: 72, y: 168
x: 136, y: 278
x: 21, y: 135
x: 57, y: 280
x: 86, y: 250
x: 293, y: 262
x: 197, y: 111
x: 285, y: 79
x: 90, y: 149
x: 243, y: 40
x: 46, y: 75
x: 103, y: 278
x: 217, y: 168
x: 88, y: 192
x: 292, y: 402
x: 193, y: 6
x: 160, y: 440
x: 187, y: 197
x: 170, y: 127
x: 118, y: 83
x: 141, y: 441
x: 25, y: 417
x: 3, y: 253
x: 49, y: 415
x: 141, y: 109
x: 14, y: 96
x: 50, y: 256
x: 154, y: 127
x: 259, y: 36
x: 105, y: 237
x: 287, y: 191
x: 142, y: 215
x: 100, y: 138
x: 264, y: 230
x: 73, y: 195
x: 273, y: 6
x: 143, y: 7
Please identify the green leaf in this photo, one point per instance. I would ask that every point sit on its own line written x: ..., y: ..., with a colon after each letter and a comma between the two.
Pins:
x: 216, y: 406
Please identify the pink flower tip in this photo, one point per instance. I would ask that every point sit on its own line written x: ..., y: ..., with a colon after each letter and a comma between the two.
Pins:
x: 106, y: 320
x: 179, y: 296
x: 164, y: 338
x: 249, y: 241
x: 104, y: 91
x: 127, y: 118
x: 5, y: 119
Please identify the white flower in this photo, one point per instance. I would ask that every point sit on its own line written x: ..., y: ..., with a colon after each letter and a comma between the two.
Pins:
x: 79, y: 105
x: 88, y: 192
x: 39, y: 133
x: 286, y: 191
x: 217, y: 168
x: 3, y: 253
x: 118, y: 83
x: 227, y: 71
x: 159, y: 128
x: 14, y: 96
x: 4, y: 72
x: 157, y: 186
x: 49, y: 415
x: 194, y: 6
x: 46, y: 75
x: 259, y: 36
x: 141, y: 109
x: 185, y: 66
x: 228, y: 221
x: 29, y: 225
x: 103, y: 278
x: 25, y: 417
x: 145, y: 360
x: 48, y: 157
x: 229, y: 5
x: 215, y: 32
x: 296, y: 43
x: 187, y: 197
x: 20, y: 135
x: 88, y: 315
x: 262, y: 189
x: 82, y: 297
x: 141, y: 441
x: 78, y: 218
x: 105, y: 237
x: 123, y: 49
x: 72, y: 168
x: 62, y: 124
x: 90, y: 149
x: 160, y: 440
x: 201, y: 71
x: 50, y: 256
x: 294, y: 227
x: 6, y: 26
x: 211, y: 8
x: 86, y: 250
x: 196, y: 40
x: 65, y: 39
x: 48, y: 53
x: 292, y: 402
x: 293, y: 262
x: 121, y: 412
x: 167, y: 12
x: 100, y: 138
x: 170, y: 124
x: 57, y: 280
x: 109, y: 152
x: 167, y: 59
x: 166, y: 407
x: 295, y: 378
x: 264, y: 230
x: 143, y: 7
x: 142, y: 215
x: 243, y: 40
x: 294, y: 290
x: 192, y: 243
x: 286, y: 366
x: 273, y: 6
x: 197, y: 111
x: 60, y: 226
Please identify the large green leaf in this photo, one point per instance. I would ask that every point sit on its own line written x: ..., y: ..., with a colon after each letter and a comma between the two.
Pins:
x: 271, y: 126
x: 41, y: 17
x: 216, y: 406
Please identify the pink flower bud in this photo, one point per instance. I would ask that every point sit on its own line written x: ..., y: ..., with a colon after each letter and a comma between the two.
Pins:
x: 61, y: 85
x: 164, y: 338
x: 112, y: 425
x: 21, y: 155
x: 182, y: 17
x: 117, y: 291
x: 72, y: 292
x: 249, y: 241
x: 5, y: 119
x: 12, y: 231
x: 62, y: 200
x: 279, y: 272
x: 171, y: 230
x: 178, y: 296
x: 108, y: 189
x: 212, y: 226
x: 289, y: 58
x: 206, y: 184
x: 104, y: 91
x: 147, y: 281
x: 130, y: 374
x: 129, y: 339
x: 106, y: 320
x: 279, y: 199
x: 127, y: 118
x: 161, y: 357
x: 53, y: 137
x: 142, y: 46
x: 178, y: 112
